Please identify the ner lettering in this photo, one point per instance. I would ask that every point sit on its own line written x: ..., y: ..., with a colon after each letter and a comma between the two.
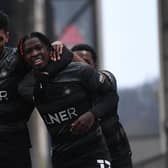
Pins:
x: 60, y: 116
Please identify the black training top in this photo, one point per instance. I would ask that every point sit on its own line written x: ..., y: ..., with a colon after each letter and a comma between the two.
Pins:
x: 62, y: 98
x: 14, y: 111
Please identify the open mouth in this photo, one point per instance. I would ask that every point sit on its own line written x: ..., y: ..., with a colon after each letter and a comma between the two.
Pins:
x: 37, y: 61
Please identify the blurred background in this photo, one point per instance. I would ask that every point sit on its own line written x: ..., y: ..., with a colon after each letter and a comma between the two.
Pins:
x: 131, y: 39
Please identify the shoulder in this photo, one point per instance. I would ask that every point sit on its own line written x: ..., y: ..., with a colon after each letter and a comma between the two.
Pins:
x: 78, y: 66
x: 10, y: 50
x: 10, y: 54
x: 78, y: 70
x: 110, y: 77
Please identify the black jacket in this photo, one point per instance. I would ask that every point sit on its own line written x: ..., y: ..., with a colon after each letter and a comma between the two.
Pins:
x: 62, y: 98
x: 14, y: 111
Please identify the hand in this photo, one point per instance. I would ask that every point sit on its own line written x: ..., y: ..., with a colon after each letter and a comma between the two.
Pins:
x: 83, y: 123
x: 58, y: 48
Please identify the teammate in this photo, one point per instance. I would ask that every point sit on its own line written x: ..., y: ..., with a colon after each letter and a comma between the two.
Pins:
x: 14, y: 111
x: 67, y: 101
x: 113, y: 130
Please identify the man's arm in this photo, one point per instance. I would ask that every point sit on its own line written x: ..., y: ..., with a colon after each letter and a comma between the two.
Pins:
x: 97, y: 84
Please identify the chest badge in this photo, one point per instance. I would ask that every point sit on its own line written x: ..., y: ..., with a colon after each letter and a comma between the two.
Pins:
x: 67, y: 91
x: 3, y: 73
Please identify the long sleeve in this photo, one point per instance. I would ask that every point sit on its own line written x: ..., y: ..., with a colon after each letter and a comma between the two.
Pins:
x: 26, y: 87
x: 105, y: 96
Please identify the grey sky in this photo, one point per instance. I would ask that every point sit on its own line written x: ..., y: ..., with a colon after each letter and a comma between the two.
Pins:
x: 131, y: 40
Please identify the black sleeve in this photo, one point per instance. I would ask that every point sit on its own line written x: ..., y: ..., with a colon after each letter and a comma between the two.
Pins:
x: 109, y: 103
x: 26, y: 87
x: 111, y: 78
x: 22, y: 67
x: 98, y: 84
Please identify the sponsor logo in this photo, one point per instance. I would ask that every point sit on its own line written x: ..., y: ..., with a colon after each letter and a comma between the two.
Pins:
x: 60, y: 117
x: 3, y: 95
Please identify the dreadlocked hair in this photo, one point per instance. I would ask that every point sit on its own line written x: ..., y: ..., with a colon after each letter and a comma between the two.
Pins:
x: 40, y: 36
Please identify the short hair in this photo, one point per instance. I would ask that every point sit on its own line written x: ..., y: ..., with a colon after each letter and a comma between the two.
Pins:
x: 39, y: 35
x: 86, y: 47
x: 4, y: 21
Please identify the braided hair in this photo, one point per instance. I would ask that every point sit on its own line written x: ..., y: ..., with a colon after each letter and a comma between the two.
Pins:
x: 40, y: 36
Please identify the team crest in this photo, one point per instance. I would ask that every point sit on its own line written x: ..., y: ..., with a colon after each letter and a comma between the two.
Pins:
x: 67, y: 91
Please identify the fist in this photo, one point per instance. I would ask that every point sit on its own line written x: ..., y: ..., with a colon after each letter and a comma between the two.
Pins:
x: 83, y: 123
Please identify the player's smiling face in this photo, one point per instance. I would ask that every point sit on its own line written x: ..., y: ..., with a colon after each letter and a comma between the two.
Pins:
x: 36, y: 53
